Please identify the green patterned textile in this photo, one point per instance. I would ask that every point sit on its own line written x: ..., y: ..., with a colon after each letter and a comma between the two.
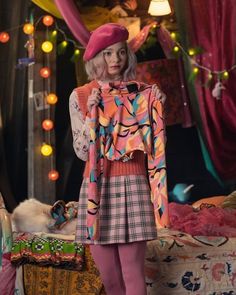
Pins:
x: 30, y: 248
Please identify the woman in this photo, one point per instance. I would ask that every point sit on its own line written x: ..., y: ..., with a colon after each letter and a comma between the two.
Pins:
x: 110, y: 119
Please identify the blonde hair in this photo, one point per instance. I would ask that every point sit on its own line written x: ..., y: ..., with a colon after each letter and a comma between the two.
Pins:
x: 96, y: 67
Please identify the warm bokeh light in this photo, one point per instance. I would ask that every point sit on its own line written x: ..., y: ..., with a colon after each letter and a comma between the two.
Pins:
x: 48, y: 20
x: 195, y: 70
x: 52, y: 98
x: 47, y: 124
x: 4, y: 37
x: 46, y: 150
x: 191, y: 52
x: 226, y: 75
x: 176, y: 49
x: 53, y: 175
x: 28, y: 29
x: 45, y: 72
x: 47, y: 46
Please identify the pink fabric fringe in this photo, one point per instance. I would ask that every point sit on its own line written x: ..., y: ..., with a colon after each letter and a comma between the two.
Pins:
x: 212, y: 221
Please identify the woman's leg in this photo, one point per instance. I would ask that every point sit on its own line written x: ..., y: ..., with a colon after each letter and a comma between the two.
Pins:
x: 132, y: 256
x: 106, y: 258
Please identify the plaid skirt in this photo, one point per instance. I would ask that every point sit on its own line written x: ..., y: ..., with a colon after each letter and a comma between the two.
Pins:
x: 126, y: 212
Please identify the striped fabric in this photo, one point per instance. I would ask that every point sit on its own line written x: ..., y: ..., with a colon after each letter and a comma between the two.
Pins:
x: 126, y: 211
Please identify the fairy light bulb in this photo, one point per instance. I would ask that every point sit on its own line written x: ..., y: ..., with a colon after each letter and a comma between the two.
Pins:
x: 195, y: 70
x: 46, y: 150
x: 191, y: 52
x: 51, y: 98
x: 77, y: 52
x: 45, y: 72
x: 53, y: 175
x: 47, y: 46
x: 173, y: 36
x: 28, y: 29
x: 64, y: 43
x: 4, y: 37
x: 47, y: 124
x: 225, y: 75
x: 176, y: 49
x: 210, y: 76
x: 48, y: 20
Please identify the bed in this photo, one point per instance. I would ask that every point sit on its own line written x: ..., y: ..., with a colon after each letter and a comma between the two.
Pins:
x: 178, y: 263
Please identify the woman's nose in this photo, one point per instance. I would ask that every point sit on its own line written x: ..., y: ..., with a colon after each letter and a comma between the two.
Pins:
x: 116, y: 57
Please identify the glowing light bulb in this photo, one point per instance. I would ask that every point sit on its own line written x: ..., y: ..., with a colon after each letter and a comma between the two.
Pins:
x: 52, y: 98
x: 4, y: 37
x: 176, y: 49
x: 53, y: 175
x: 195, y: 70
x: 191, y: 52
x: 28, y: 29
x: 48, y: 20
x: 46, y: 150
x: 45, y: 72
x: 226, y: 75
x: 173, y: 35
x: 47, y: 124
x: 47, y: 46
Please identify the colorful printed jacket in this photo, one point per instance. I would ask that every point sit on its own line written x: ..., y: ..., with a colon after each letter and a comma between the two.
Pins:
x: 122, y: 123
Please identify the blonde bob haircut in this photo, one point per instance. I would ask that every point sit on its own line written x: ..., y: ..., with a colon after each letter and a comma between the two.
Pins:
x: 96, y: 67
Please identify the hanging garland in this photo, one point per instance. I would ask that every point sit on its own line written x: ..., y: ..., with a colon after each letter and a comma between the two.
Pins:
x: 220, y: 75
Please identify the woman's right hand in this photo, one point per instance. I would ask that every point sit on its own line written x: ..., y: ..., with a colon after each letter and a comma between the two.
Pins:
x: 93, y: 99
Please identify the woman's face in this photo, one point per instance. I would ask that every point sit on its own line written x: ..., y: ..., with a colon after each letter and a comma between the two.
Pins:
x: 116, y: 58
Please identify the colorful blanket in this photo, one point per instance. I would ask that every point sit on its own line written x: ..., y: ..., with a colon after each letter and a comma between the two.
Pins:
x: 29, y: 248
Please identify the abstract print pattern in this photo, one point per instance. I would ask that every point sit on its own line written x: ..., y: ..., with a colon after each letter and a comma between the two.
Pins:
x: 127, y: 122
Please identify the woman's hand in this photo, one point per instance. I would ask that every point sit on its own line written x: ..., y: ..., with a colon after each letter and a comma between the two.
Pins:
x: 158, y: 93
x: 93, y: 99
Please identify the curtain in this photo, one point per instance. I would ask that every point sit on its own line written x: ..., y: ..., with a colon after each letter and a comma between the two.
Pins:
x: 211, y: 25
x: 13, y: 112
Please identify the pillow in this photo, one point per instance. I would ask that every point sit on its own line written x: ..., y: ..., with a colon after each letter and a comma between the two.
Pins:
x: 216, y: 201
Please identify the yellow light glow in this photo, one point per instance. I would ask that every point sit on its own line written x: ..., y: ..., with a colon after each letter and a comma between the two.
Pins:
x: 195, y: 70
x: 47, y: 46
x: 64, y: 43
x: 191, y: 51
x: 77, y: 51
x: 226, y: 75
x: 46, y: 150
x: 176, y: 49
x: 54, y: 33
x: 28, y: 29
x: 52, y: 98
x: 173, y: 35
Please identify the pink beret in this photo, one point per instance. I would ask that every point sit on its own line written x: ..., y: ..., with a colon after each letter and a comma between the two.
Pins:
x: 104, y: 36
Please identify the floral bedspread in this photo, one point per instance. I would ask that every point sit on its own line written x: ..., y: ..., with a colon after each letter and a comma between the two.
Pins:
x: 178, y: 263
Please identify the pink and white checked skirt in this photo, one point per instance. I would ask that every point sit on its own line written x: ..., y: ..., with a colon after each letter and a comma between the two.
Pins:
x: 126, y: 211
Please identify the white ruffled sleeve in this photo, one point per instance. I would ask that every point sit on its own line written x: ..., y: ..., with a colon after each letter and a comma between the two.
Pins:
x: 80, y: 128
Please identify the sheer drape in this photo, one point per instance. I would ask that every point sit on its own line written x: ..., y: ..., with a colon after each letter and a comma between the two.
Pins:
x: 211, y: 25
x: 13, y: 115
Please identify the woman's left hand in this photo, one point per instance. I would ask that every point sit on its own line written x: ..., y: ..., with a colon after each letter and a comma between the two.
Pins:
x: 158, y: 93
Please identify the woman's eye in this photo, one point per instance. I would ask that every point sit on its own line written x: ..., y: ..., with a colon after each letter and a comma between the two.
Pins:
x: 123, y: 52
x: 107, y: 53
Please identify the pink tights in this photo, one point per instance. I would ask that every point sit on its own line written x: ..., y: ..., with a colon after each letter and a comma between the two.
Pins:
x: 121, y: 267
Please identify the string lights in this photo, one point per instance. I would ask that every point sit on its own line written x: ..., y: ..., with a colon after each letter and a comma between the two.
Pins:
x: 45, y: 72
x: 196, y: 66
